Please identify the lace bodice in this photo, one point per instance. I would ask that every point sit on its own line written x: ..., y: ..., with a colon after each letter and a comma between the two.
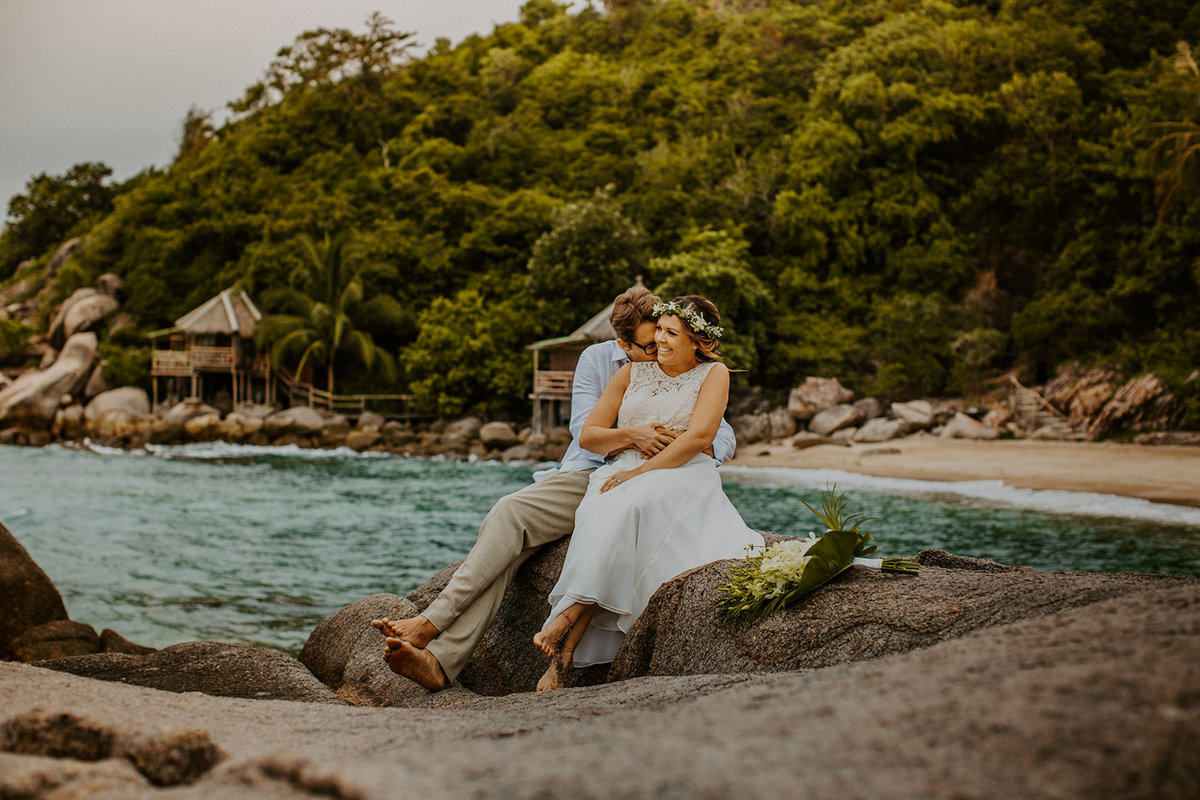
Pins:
x: 654, y: 396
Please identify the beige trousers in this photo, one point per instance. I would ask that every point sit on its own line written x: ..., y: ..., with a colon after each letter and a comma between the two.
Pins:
x: 516, y: 526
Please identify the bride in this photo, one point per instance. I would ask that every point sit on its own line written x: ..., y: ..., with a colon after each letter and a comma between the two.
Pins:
x: 645, y: 520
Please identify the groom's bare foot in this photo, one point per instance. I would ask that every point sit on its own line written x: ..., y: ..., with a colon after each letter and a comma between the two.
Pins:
x: 415, y: 663
x: 417, y: 631
x: 550, y: 638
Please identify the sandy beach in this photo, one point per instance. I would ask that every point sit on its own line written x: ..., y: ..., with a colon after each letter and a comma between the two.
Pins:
x: 1159, y: 473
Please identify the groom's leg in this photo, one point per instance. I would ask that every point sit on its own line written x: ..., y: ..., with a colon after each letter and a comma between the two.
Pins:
x: 517, y: 525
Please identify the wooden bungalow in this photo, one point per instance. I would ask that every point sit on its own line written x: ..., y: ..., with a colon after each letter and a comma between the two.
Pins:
x: 552, y: 378
x: 212, y: 349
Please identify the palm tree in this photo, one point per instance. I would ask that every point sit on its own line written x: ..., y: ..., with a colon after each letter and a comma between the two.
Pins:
x: 324, y: 297
x: 1179, y: 143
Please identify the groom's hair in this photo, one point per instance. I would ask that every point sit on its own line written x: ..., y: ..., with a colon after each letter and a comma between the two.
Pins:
x: 630, y: 309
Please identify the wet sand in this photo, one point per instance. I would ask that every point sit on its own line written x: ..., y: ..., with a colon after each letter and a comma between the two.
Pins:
x: 1159, y: 473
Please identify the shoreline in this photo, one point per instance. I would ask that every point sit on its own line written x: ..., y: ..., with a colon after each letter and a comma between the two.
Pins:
x: 1157, y: 473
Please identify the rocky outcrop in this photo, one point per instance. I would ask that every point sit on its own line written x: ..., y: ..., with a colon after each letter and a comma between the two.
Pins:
x: 215, y: 668
x: 33, y: 399
x: 27, y: 595
x: 963, y: 427
x: 862, y: 614
x: 298, y: 420
x: 498, y: 436
x: 1144, y: 402
x: 815, y: 395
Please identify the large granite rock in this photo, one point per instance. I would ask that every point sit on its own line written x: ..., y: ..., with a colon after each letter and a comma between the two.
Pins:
x: 346, y: 653
x: 917, y: 414
x: 298, y: 421
x: 881, y: 430
x: 33, y: 399
x: 117, y: 412
x: 963, y: 427
x: 834, y: 418
x: 27, y: 595
x: 58, y: 639
x: 751, y: 428
x: 84, y: 310
x: 816, y: 394
x: 862, y: 614
x: 498, y: 436
x: 216, y: 668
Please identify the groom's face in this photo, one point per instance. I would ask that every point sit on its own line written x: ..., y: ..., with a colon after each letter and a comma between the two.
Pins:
x: 643, y: 341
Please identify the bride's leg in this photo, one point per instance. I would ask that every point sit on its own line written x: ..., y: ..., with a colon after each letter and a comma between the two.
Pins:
x: 562, y: 660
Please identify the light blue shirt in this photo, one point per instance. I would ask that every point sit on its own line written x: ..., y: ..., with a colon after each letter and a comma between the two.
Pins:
x: 597, y: 364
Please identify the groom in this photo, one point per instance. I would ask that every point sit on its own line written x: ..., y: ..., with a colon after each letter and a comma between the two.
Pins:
x: 432, y: 648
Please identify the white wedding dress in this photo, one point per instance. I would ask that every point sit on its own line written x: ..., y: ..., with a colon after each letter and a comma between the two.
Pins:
x: 637, y: 536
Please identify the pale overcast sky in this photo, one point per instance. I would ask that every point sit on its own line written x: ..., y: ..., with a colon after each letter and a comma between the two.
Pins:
x: 111, y: 80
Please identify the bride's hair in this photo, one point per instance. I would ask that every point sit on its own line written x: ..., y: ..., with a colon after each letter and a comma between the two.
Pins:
x: 707, y: 347
x: 630, y: 309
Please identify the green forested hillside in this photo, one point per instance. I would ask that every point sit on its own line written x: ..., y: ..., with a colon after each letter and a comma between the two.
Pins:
x: 910, y: 196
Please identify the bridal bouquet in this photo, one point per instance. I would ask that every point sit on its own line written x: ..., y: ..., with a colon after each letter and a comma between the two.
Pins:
x: 763, y: 583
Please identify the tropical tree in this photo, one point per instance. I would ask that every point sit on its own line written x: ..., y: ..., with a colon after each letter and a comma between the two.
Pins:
x: 319, y: 308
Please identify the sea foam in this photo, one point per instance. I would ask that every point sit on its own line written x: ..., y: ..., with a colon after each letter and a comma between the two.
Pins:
x: 977, y: 493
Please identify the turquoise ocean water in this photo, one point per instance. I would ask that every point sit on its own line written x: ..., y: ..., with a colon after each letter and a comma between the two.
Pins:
x: 257, y: 545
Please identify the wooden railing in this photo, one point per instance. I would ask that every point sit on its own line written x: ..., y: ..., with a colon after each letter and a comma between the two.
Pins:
x: 553, y: 382
x: 298, y: 392
x: 185, y: 362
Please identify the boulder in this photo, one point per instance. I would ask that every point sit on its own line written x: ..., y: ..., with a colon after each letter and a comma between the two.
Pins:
x: 1081, y: 392
x: 518, y: 452
x: 363, y: 439
x: 862, y: 614
x: 346, y: 654
x: 369, y: 419
x: 214, y: 668
x: 129, y: 399
x: 869, y: 407
x: 881, y: 430
x: 84, y: 310
x: 187, y: 409
x: 917, y: 414
x: 963, y: 427
x: 33, y: 399
x: 781, y: 424
x: 498, y: 436
x: 203, y: 427
x: 465, y: 429
x: 750, y: 428
x: 815, y: 395
x: 833, y: 419
x: 27, y: 595
x: 56, y: 639
x: 298, y: 420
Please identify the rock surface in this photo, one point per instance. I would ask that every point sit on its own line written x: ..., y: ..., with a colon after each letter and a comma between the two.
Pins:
x: 834, y: 418
x: 1086, y: 702
x: 216, y: 668
x: 27, y: 595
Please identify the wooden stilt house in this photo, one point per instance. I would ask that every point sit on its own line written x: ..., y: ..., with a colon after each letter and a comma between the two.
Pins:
x: 211, y: 349
x: 554, y: 363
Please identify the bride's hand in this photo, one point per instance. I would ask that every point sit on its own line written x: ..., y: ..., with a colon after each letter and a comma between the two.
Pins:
x: 650, y: 438
x: 616, y: 480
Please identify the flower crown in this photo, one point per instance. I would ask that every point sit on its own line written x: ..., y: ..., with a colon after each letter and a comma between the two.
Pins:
x: 694, y: 319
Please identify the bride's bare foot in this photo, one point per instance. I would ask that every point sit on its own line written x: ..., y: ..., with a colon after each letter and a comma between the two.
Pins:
x: 550, y: 638
x: 552, y: 678
x: 415, y: 663
x: 417, y: 631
